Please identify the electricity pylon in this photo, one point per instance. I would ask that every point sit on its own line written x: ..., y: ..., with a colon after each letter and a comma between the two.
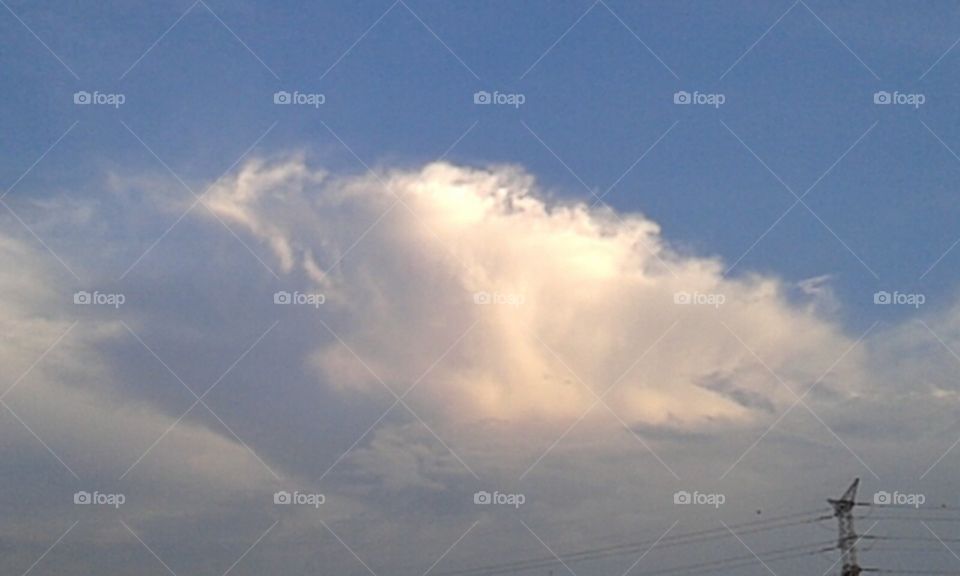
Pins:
x: 843, y: 510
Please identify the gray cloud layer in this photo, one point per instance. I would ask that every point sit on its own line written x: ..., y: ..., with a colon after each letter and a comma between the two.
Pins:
x: 505, y: 314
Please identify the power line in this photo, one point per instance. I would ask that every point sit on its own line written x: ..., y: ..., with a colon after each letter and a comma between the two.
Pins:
x: 847, y: 542
x: 695, y: 537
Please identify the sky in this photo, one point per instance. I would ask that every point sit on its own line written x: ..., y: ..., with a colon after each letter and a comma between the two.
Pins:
x: 417, y: 287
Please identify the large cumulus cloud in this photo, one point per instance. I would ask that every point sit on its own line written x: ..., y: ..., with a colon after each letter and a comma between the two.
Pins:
x: 582, y: 299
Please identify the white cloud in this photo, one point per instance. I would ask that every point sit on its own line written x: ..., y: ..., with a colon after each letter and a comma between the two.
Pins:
x: 597, y: 291
x: 73, y: 399
x: 584, y: 294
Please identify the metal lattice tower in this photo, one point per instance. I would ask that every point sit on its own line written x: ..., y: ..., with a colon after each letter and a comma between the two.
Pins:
x: 847, y: 542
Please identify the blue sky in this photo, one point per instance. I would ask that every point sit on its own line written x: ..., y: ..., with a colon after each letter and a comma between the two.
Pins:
x: 600, y: 98
x: 700, y: 199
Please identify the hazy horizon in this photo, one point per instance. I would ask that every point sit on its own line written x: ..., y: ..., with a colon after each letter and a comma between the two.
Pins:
x: 441, y: 288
